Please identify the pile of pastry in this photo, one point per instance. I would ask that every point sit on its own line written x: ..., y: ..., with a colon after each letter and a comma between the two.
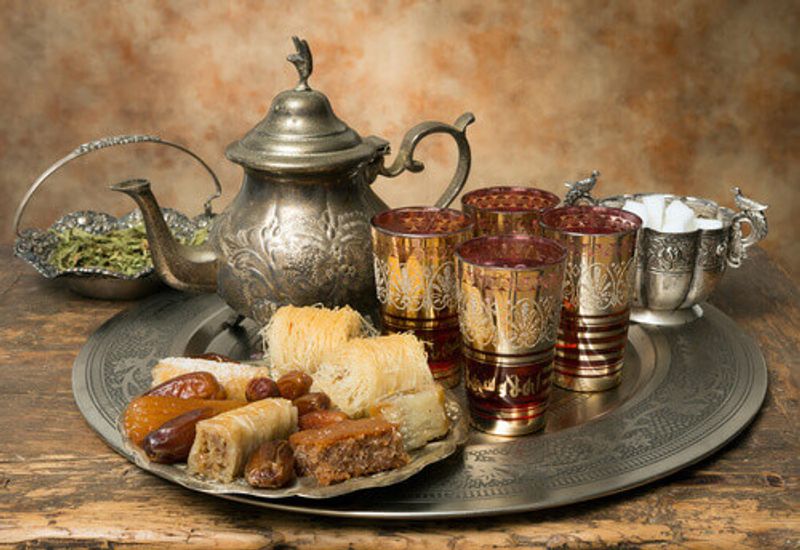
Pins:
x: 333, y: 403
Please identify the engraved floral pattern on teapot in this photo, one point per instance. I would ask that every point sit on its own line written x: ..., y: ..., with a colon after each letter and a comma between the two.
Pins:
x: 274, y: 266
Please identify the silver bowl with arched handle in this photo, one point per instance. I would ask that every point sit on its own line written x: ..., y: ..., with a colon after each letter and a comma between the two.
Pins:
x: 36, y: 246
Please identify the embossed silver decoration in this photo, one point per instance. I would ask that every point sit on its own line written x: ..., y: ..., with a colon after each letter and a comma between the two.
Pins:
x: 751, y: 214
x: 686, y: 393
x: 298, y: 231
x: 676, y: 272
x: 35, y: 246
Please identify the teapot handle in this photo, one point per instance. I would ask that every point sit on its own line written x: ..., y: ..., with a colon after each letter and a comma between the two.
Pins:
x: 405, y: 157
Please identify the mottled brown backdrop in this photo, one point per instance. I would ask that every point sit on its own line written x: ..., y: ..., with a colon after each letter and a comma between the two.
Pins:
x: 687, y: 96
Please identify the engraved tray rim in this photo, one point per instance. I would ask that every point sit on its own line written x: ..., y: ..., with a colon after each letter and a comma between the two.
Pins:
x: 737, y: 354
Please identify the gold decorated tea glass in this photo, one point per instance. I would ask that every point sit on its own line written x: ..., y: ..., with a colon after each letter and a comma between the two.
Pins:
x: 509, y: 298
x: 598, y: 288
x: 507, y: 210
x: 415, y: 280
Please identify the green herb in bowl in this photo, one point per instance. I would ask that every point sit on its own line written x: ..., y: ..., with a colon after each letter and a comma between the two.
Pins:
x: 124, y: 251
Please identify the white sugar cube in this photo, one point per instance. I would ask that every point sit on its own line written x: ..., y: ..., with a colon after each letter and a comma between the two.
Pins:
x: 678, y: 218
x: 635, y: 207
x: 708, y: 225
x: 655, y: 210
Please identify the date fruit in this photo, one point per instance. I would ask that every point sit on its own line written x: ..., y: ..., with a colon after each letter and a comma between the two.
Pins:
x: 192, y: 385
x: 320, y: 419
x: 148, y: 412
x: 271, y: 465
x: 261, y: 388
x: 293, y: 384
x: 310, y: 402
x: 173, y: 440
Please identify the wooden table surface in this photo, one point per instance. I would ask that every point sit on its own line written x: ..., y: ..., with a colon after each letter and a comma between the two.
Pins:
x: 61, y: 486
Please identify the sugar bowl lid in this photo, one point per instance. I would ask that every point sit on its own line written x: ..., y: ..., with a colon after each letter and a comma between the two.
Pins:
x: 300, y: 133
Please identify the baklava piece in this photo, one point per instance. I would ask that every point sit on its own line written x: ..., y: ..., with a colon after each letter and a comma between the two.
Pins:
x: 224, y: 443
x: 420, y: 416
x: 347, y: 449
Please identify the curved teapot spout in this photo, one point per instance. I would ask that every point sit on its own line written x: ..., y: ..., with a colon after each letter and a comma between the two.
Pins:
x: 191, y: 268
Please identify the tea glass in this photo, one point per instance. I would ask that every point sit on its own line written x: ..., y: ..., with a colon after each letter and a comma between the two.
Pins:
x: 416, y: 283
x: 507, y: 210
x: 598, y: 289
x: 509, y: 302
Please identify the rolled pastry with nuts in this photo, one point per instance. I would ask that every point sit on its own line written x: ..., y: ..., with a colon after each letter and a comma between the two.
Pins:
x: 224, y: 443
x: 362, y: 371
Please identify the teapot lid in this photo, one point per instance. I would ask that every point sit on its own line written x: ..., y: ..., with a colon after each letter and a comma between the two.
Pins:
x: 300, y: 132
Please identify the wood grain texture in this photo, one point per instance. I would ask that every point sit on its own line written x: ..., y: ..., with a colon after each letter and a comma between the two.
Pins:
x: 61, y: 486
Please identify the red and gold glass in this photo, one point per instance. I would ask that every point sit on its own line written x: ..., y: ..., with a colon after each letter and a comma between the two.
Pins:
x: 509, y: 302
x: 598, y: 287
x: 416, y: 283
x: 507, y: 210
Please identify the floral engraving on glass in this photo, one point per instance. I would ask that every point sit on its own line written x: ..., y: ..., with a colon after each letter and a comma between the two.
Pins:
x: 534, y: 322
x: 476, y: 319
x: 528, y: 323
x: 599, y: 286
x: 411, y: 286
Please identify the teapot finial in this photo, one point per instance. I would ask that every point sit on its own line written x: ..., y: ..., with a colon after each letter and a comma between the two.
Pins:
x: 302, y: 62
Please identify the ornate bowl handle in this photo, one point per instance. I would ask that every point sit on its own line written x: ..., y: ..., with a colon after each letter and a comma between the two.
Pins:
x: 751, y: 213
x: 581, y: 190
x: 102, y: 143
x: 405, y: 157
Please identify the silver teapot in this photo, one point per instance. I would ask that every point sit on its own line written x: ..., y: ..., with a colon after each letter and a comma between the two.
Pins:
x: 299, y: 229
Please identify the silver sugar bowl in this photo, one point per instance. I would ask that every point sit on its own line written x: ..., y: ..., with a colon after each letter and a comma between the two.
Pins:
x: 676, y: 272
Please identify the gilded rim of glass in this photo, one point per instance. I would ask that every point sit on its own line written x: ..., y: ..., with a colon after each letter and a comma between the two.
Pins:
x: 533, y: 239
x: 468, y: 227
x: 514, y: 188
x: 604, y: 210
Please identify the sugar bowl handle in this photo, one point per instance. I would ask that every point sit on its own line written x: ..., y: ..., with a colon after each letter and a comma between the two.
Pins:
x: 405, y: 157
x: 750, y: 213
x: 581, y: 190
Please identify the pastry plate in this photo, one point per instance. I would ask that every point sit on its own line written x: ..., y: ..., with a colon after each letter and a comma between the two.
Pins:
x: 306, y: 486
x: 686, y: 392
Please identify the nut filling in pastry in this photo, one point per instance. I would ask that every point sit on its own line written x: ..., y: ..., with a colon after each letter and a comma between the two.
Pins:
x: 224, y: 443
x: 347, y: 449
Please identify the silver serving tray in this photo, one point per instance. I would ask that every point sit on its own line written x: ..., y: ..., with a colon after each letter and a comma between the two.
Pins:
x: 686, y: 392
x: 307, y: 486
